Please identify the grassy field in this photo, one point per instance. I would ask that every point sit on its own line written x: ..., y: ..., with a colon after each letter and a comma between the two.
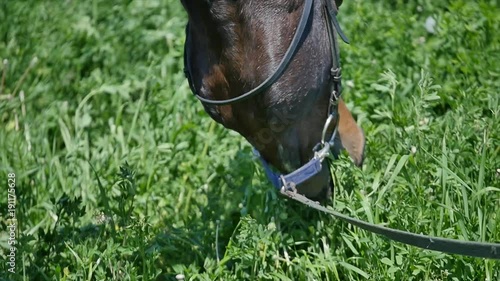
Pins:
x: 121, y: 175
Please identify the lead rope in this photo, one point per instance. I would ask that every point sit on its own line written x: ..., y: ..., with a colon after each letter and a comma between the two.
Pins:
x: 445, y: 245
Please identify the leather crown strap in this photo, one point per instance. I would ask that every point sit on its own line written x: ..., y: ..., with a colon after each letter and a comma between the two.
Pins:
x: 286, y: 183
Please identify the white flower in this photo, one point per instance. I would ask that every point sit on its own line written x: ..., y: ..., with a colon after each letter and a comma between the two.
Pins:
x: 430, y: 24
x: 413, y: 150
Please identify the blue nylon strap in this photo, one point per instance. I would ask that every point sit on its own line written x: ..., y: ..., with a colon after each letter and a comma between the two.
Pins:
x: 302, y: 174
x: 309, y: 170
x: 273, y: 177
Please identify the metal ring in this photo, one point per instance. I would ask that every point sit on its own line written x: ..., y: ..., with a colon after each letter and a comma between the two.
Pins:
x: 325, y: 127
x: 334, y: 134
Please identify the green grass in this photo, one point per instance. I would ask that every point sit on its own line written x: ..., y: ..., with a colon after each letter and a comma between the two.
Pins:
x: 122, y: 176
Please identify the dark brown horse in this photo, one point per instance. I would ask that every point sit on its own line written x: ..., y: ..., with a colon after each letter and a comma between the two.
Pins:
x: 233, y: 46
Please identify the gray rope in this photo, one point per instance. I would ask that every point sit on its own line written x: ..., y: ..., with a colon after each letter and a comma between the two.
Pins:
x: 445, y: 245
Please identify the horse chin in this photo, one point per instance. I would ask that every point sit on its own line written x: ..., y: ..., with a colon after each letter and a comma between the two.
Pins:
x: 318, y: 188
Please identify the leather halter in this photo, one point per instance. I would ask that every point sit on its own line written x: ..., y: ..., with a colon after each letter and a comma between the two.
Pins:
x: 285, y: 61
x: 322, y: 149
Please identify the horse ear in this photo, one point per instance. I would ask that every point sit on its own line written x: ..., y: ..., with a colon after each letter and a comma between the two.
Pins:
x: 351, y: 135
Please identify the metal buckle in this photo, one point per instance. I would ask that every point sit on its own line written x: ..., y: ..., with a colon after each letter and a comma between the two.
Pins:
x: 334, y: 101
x: 334, y: 98
x: 336, y: 74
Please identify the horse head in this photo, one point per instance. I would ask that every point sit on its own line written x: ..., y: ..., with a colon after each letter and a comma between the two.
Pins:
x: 235, y: 47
